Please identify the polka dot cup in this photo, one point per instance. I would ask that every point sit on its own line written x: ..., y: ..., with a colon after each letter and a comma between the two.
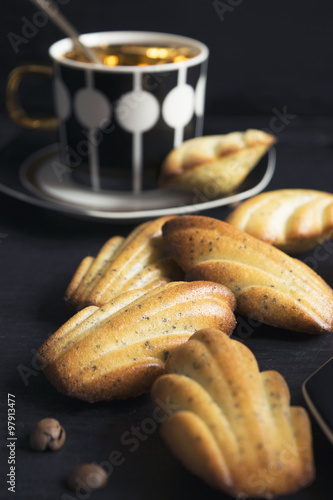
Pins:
x: 116, y: 124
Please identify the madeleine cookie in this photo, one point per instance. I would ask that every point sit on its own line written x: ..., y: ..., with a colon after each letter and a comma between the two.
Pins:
x: 214, y: 165
x: 230, y: 424
x: 268, y: 284
x: 294, y: 220
x: 118, y: 350
x: 123, y: 264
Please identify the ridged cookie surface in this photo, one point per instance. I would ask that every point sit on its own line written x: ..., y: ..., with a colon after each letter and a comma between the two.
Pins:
x: 294, y: 220
x: 118, y: 350
x: 230, y: 424
x: 215, y: 165
x: 268, y: 284
x: 123, y: 264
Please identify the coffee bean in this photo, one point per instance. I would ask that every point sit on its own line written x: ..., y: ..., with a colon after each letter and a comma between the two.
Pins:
x: 90, y: 477
x: 47, y: 435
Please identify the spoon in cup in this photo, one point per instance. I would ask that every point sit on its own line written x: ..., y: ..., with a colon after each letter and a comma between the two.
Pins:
x: 55, y: 15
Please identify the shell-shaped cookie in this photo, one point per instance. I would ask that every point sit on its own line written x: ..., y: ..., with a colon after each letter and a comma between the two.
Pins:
x: 294, y: 220
x: 118, y: 350
x: 230, y: 424
x: 215, y: 165
x: 123, y: 264
x: 268, y: 284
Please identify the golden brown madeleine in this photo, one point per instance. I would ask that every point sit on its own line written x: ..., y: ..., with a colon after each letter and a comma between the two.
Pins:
x: 215, y: 165
x: 118, y: 350
x: 268, y: 284
x: 294, y: 220
x: 230, y: 424
x: 139, y: 261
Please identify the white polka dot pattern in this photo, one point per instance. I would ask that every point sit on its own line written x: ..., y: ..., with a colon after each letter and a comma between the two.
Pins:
x: 124, y: 125
x: 137, y: 111
x: 178, y: 106
x: 62, y: 99
x: 92, y: 108
x: 200, y: 96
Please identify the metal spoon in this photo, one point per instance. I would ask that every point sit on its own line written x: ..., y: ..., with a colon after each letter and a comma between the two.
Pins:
x: 55, y: 15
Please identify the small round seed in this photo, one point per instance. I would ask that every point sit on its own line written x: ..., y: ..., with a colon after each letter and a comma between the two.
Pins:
x: 88, y: 476
x: 48, y: 434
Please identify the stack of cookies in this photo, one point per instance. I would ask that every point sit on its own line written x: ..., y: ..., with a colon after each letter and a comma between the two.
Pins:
x: 155, y: 312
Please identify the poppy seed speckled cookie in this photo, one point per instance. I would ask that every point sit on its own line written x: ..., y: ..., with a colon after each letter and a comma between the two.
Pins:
x: 268, y: 284
x: 230, y: 424
x: 116, y: 351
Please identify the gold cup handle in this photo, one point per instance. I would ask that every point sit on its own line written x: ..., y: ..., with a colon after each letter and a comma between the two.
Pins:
x: 15, y: 109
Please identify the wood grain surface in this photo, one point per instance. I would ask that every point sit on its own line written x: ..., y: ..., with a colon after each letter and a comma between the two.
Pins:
x: 39, y: 251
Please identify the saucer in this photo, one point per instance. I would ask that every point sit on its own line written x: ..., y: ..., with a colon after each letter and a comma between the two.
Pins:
x: 45, y: 176
x: 47, y: 186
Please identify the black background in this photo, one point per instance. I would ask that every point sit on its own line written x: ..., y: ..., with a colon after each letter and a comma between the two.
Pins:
x: 265, y: 55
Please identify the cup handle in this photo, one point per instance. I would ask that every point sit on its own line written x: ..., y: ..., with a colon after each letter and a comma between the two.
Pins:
x: 15, y: 110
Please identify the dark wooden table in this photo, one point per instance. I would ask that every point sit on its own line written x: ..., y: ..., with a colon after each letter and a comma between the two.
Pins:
x: 40, y: 249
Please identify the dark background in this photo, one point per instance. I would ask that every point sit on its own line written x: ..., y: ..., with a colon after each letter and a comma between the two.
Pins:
x: 264, y: 54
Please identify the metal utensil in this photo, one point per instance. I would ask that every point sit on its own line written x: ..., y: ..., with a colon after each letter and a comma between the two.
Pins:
x: 55, y: 15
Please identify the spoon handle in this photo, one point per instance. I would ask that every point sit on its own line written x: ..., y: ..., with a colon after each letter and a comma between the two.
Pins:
x: 55, y: 15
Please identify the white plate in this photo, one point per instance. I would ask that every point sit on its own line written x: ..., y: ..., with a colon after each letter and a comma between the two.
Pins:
x: 55, y: 190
